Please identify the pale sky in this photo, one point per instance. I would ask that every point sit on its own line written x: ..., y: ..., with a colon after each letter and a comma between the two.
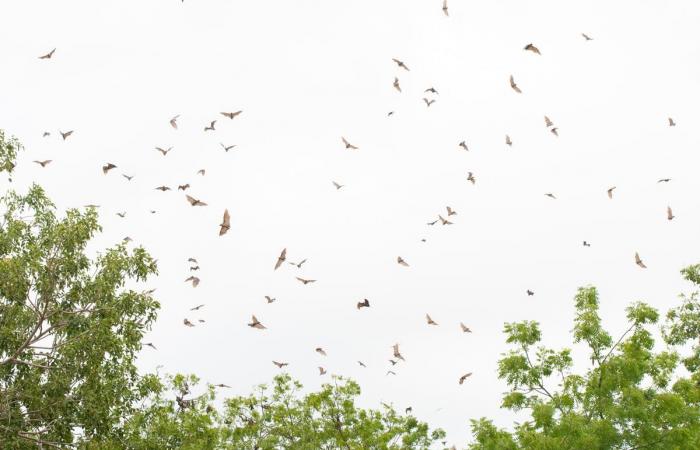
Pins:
x: 307, y: 72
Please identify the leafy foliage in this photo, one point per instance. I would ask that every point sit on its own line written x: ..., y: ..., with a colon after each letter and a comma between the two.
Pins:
x: 628, y: 399
x: 9, y: 147
x: 69, y: 328
x: 270, y: 418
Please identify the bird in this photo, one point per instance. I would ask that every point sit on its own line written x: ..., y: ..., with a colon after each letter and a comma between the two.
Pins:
x: 321, y: 351
x: 197, y: 308
x: 338, y: 186
x: 163, y: 151
x: 530, y: 293
x: 107, y: 167
x: 225, y: 225
x: 610, y: 192
x: 470, y: 177
x: 639, y: 261
x: 444, y: 221
x: 433, y: 222
x: 281, y: 258
x: 231, y: 115
x: 408, y: 410
x: 463, y: 144
x: 514, y: 86
x: 451, y: 212
x: 211, y: 126
x: 256, y: 324
x: 221, y: 385
x: 548, y: 123
x: 121, y: 214
x: 269, y: 299
x: 280, y: 364
x: 194, y: 280
x: 305, y: 281
x: 401, y: 261
x: 508, y: 141
x: 532, y: 48
x: 194, y: 202
x: 465, y: 329
x: 48, y: 55
x: 361, y: 364
x: 586, y: 37
x: 163, y: 188
x: 393, y: 363
x: 464, y: 377
x: 128, y: 177
x: 397, y: 353
x: 444, y: 8
x: 44, y: 163
x: 555, y: 131
x: 390, y: 372
x: 664, y: 180
x: 321, y: 370
x: 173, y: 121
x: 150, y: 344
x: 401, y: 64
x: 347, y: 144
x: 183, y: 187
x: 432, y: 90
x: 201, y: 172
x: 428, y: 102
x: 299, y: 264
x: 550, y: 195
x: 586, y: 244
x: 194, y: 268
x: 396, y: 84
x: 671, y: 123
x: 225, y: 147
x: 187, y: 323
x: 192, y: 260
x: 430, y: 320
x: 66, y: 134
x: 390, y: 113
x: 363, y: 304
x: 669, y: 213
x: 46, y: 134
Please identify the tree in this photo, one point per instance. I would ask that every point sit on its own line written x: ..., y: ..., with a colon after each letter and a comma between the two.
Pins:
x: 632, y: 397
x: 69, y: 326
x: 271, y: 418
x: 9, y: 147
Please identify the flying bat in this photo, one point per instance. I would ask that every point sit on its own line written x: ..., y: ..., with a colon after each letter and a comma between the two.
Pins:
x: 281, y: 258
x: 256, y: 324
x: 514, y: 86
x: 225, y: 224
x: 48, y: 55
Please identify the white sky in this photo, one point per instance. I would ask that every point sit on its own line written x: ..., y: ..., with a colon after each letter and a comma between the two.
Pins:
x: 307, y: 72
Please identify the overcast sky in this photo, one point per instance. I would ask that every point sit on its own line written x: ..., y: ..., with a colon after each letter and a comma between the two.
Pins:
x: 307, y: 72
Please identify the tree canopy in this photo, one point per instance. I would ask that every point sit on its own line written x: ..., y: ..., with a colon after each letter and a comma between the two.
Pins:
x: 69, y: 327
x: 632, y: 397
x: 272, y: 417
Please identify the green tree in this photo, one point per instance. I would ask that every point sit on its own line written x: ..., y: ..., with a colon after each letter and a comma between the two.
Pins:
x: 69, y: 326
x: 276, y: 417
x: 632, y: 396
x: 9, y: 147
